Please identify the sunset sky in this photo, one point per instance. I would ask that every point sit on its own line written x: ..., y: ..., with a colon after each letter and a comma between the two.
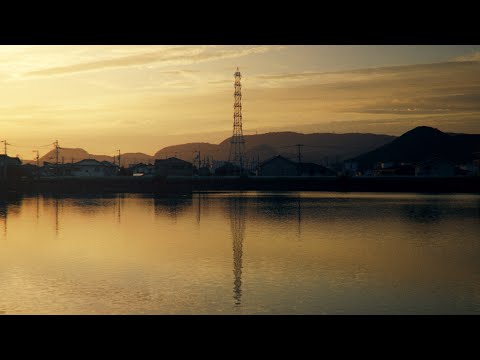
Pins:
x: 143, y: 98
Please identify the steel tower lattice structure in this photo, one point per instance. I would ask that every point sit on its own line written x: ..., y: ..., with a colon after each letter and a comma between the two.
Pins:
x: 237, y: 143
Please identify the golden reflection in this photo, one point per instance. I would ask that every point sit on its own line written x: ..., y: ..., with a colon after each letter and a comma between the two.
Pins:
x: 37, y: 207
x: 8, y: 203
x: 299, y: 218
x: 172, y: 206
x: 202, y: 206
x: 3, y: 215
x: 237, y: 226
x: 56, y: 216
x: 117, y: 207
x: 402, y: 253
x: 198, y: 208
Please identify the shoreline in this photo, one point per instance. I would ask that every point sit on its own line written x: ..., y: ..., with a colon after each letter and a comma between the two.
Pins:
x: 187, y: 184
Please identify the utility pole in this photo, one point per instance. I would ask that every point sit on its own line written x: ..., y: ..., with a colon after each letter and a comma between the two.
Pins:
x: 299, y: 152
x: 56, y: 157
x: 56, y: 152
x: 199, y: 159
x: 119, y: 163
x: 5, y: 160
x: 299, y: 157
x: 37, y: 158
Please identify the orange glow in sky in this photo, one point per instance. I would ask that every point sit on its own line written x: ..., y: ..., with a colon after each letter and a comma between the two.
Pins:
x: 143, y: 98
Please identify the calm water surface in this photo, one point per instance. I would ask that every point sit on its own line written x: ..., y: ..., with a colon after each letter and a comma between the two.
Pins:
x: 241, y: 253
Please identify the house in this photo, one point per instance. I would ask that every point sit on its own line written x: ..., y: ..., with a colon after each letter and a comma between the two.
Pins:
x: 399, y: 170
x: 173, y: 167
x: 11, y: 161
x: 476, y: 163
x: 29, y: 170
x: 91, y: 167
x: 476, y: 170
x: 435, y: 167
x: 87, y: 167
x: 227, y: 169
x: 350, y: 168
x: 204, y: 171
x: 141, y: 168
x: 278, y: 166
x: 281, y: 166
x: 467, y: 169
x: 312, y: 169
x: 385, y: 165
x: 9, y: 166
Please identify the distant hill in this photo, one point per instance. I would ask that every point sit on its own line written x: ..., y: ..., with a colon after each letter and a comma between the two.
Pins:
x: 76, y: 154
x: 423, y: 143
x: 317, y: 147
x: 188, y: 151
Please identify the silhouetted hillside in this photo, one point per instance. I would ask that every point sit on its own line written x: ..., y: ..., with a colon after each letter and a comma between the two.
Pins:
x: 419, y: 144
x: 423, y: 143
x: 73, y: 155
x: 317, y: 147
x: 188, y: 151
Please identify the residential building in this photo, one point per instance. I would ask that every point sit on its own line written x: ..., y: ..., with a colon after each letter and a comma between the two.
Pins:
x: 350, y: 168
x: 87, y: 167
x: 11, y: 161
x: 141, y: 168
x: 312, y: 169
x: 227, y: 169
x: 278, y: 166
x: 173, y: 167
x: 281, y: 166
x: 399, y: 170
x: 476, y: 164
x: 435, y: 167
x: 9, y: 166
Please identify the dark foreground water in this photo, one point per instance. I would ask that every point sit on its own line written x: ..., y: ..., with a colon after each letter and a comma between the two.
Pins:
x: 241, y: 253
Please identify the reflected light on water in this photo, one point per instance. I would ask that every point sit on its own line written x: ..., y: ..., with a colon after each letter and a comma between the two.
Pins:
x: 241, y: 253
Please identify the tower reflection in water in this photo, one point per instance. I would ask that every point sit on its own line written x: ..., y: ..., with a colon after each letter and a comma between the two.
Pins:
x: 237, y: 226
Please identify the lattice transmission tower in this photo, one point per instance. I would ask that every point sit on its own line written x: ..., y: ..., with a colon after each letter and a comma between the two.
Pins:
x: 237, y: 143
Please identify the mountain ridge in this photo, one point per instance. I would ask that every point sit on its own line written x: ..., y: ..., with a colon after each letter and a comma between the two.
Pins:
x: 318, y: 147
x: 423, y: 143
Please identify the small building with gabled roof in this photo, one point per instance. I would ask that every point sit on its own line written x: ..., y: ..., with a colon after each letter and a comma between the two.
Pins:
x: 173, y: 167
x: 86, y: 167
x: 435, y: 167
x: 278, y: 166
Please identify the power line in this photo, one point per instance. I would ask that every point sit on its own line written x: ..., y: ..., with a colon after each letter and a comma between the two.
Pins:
x: 38, y: 161
x: 290, y: 146
x: 5, y: 148
x: 31, y: 146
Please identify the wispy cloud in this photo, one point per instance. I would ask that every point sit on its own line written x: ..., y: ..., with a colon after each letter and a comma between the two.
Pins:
x: 373, y: 74
x: 474, y: 56
x: 181, y: 55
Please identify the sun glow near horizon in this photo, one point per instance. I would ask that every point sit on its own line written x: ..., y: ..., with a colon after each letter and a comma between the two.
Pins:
x: 142, y: 98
